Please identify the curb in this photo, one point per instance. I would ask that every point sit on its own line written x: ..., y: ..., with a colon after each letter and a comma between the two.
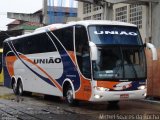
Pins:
x: 151, y: 101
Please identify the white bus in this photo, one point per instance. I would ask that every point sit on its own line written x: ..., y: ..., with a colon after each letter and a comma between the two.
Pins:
x: 86, y: 60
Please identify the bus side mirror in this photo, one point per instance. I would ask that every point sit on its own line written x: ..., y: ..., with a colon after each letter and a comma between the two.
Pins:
x: 153, y: 49
x: 94, y: 51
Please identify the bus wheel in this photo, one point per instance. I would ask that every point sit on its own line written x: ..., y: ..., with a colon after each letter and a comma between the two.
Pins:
x: 14, y: 87
x: 20, y: 88
x: 69, y: 97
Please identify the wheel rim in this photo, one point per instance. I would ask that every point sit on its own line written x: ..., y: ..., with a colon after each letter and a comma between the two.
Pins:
x: 70, y: 96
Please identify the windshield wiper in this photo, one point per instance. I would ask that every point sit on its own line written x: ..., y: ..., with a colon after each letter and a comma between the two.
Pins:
x: 134, y: 70
x: 120, y: 63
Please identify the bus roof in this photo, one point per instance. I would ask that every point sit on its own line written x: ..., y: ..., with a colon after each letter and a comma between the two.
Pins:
x: 86, y: 23
x: 102, y: 22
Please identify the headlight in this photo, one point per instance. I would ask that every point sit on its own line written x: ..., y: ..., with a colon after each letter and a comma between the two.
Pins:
x: 97, y: 96
x: 142, y: 87
x: 101, y: 88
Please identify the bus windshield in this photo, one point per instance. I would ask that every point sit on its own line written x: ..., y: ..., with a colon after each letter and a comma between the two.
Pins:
x: 120, y: 62
x: 107, y: 34
x: 120, y: 53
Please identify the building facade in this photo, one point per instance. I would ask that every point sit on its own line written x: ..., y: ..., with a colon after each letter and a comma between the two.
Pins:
x: 155, y: 23
x: 131, y: 13
x: 88, y: 11
x: 29, y: 22
x: 26, y: 27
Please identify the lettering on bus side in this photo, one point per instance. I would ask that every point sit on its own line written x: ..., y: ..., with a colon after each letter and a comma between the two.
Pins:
x: 50, y: 60
x: 115, y: 33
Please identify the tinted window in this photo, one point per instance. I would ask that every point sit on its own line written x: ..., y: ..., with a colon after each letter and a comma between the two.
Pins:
x: 120, y: 62
x: 82, y: 51
x: 39, y: 43
x: 19, y: 45
x: 6, y: 48
x: 66, y: 37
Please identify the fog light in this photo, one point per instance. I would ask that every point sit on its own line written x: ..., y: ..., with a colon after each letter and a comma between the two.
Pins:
x: 97, y: 96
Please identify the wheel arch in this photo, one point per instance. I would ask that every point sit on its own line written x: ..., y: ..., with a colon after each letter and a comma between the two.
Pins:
x: 19, y: 79
x: 13, y: 80
x: 65, y: 84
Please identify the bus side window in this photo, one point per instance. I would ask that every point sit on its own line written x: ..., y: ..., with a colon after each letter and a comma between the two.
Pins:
x: 82, y: 51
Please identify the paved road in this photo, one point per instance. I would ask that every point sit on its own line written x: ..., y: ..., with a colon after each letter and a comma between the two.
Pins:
x: 36, y: 107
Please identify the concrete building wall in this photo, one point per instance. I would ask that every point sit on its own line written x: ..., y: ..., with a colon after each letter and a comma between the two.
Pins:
x: 24, y: 17
x: 150, y: 30
x: 82, y: 15
x: 111, y: 15
x: 80, y: 10
x: 155, y: 24
x: 143, y: 27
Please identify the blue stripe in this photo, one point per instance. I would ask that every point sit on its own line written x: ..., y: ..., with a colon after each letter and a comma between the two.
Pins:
x: 68, y: 66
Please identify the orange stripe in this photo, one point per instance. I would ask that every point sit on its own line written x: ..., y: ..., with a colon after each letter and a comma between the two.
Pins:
x: 85, y: 91
x: 72, y: 56
x: 10, y: 60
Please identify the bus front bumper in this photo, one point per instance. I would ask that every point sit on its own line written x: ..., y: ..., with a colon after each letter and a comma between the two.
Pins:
x: 100, y: 96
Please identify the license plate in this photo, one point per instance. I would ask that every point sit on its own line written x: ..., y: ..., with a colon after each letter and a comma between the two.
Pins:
x: 124, y: 96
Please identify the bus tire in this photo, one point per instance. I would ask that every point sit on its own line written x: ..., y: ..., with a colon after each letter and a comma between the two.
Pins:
x: 20, y: 88
x: 14, y: 87
x: 69, y: 97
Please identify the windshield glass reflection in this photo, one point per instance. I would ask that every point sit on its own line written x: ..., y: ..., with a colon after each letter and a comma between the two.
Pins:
x: 120, y: 62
